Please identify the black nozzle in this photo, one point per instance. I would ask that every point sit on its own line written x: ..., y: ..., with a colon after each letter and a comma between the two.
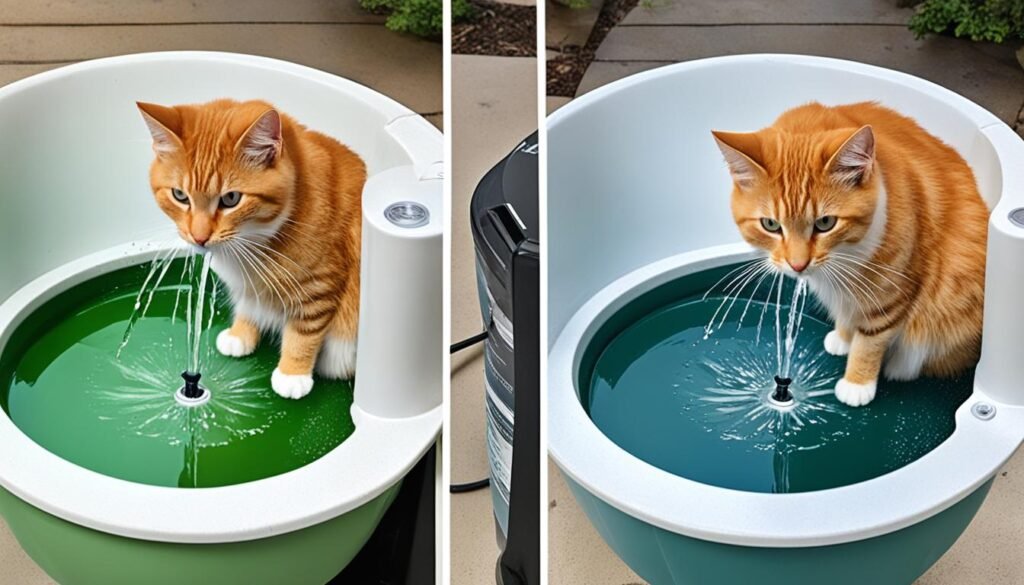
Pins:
x: 192, y: 388
x: 782, y: 393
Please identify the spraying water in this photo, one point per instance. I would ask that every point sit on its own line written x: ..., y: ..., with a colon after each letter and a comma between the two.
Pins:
x: 757, y: 271
x: 191, y: 392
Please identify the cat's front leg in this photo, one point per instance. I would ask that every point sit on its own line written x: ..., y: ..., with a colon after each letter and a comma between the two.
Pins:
x: 240, y: 339
x: 858, y: 385
x: 300, y: 344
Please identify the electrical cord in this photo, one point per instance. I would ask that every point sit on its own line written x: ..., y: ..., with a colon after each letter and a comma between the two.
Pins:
x: 461, y: 345
x: 462, y: 488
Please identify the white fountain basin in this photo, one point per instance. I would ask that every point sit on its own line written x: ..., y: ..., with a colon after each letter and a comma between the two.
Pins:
x: 76, y: 203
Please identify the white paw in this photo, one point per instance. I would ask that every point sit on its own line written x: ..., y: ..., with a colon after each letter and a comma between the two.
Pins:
x: 232, y: 346
x: 852, y: 394
x: 835, y: 345
x: 289, y: 385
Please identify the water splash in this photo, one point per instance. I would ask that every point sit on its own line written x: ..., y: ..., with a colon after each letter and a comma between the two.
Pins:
x: 240, y: 405
x: 735, y: 403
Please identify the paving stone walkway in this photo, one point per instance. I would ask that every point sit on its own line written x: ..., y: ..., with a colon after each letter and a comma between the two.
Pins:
x: 660, y: 32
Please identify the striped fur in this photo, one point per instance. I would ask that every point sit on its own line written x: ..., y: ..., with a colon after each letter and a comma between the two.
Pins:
x: 289, y: 251
x: 902, y: 270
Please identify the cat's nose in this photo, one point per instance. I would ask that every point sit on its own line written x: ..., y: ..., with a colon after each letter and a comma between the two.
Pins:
x: 798, y: 265
x: 200, y: 240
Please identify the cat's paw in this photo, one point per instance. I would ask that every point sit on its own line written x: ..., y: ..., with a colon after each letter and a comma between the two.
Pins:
x: 852, y: 394
x: 291, y: 385
x: 835, y: 344
x: 232, y: 346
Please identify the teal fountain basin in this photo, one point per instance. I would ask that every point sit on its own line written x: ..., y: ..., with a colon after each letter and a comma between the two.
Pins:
x: 668, y: 432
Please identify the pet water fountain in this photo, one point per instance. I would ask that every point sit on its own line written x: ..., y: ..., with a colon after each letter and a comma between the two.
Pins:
x: 132, y: 451
x: 690, y: 398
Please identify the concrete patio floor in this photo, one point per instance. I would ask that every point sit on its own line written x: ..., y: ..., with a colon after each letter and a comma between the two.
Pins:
x: 335, y: 36
x: 872, y: 31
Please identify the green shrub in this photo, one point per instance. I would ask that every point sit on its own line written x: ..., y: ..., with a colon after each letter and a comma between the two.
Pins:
x: 422, y: 18
x: 461, y: 10
x: 978, y: 20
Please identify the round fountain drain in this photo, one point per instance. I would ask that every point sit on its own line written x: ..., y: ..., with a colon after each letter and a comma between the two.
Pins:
x: 407, y: 214
x: 182, y: 398
x: 984, y: 410
x: 1017, y: 216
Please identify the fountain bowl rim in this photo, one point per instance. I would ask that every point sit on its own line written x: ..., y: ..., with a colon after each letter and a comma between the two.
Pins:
x: 966, y: 460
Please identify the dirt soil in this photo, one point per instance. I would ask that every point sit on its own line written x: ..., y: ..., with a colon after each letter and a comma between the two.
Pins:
x: 566, y: 68
x: 495, y: 28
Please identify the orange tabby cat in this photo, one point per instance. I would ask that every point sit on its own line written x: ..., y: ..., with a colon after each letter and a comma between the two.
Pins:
x: 886, y: 224
x: 279, y: 207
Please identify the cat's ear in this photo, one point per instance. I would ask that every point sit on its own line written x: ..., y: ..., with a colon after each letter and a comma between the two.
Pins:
x: 261, y: 144
x: 853, y: 162
x: 742, y: 151
x: 164, y: 125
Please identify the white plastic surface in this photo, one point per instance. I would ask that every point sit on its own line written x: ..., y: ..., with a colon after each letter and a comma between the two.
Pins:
x: 75, y: 202
x: 635, y: 159
x: 399, y: 364
x: 1001, y: 370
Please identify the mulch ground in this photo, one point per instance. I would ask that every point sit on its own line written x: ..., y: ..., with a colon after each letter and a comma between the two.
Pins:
x: 495, y: 28
x: 566, y: 69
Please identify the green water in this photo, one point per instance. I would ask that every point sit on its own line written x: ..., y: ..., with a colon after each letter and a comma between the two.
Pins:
x: 696, y: 405
x: 64, y: 387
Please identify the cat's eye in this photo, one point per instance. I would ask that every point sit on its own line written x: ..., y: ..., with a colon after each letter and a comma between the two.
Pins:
x: 771, y: 225
x: 824, y: 223
x: 230, y: 199
x: 179, y: 196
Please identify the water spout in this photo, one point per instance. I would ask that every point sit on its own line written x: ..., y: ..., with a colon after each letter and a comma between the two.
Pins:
x: 782, y: 395
x: 191, y: 394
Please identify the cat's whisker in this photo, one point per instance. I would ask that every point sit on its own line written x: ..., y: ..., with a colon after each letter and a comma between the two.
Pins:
x: 245, y: 254
x: 289, y: 281
x: 879, y: 265
x: 862, y: 284
x: 844, y: 289
x: 245, y: 273
x: 272, y: 250
x: 898, y: 288
x: 850, y: 287
x: 285, y: 281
